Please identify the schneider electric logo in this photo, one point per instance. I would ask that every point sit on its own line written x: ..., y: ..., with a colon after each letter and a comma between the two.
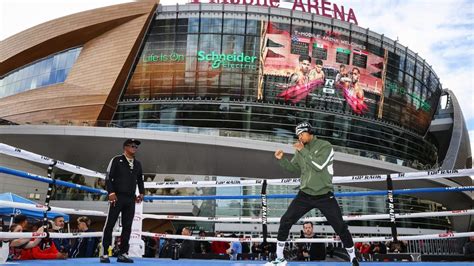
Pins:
x: 172, y: 57
x: 228, y: 60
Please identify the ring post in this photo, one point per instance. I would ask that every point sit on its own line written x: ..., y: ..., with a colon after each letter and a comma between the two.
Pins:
x: 264, y: 210
x: 391, y: 207
x: 51, y: 186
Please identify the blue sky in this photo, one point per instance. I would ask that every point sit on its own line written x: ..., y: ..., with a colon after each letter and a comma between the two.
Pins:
x: 440, y: 31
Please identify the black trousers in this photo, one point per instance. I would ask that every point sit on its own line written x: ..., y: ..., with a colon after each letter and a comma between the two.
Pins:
x: 328, y: 206
x: 125, y: 204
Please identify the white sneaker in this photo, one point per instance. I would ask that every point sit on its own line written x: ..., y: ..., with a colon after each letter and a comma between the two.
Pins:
x: 277, y: 262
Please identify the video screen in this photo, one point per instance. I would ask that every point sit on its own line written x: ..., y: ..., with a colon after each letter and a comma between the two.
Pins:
x: 303, y: 66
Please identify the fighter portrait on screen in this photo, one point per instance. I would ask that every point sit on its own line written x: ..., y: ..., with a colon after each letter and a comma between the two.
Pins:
x: 304, y: 80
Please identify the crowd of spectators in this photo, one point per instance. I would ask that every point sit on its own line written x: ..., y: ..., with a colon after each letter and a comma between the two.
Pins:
x: 63, y: 248
x: 51, y: 248
x: 164, y: 248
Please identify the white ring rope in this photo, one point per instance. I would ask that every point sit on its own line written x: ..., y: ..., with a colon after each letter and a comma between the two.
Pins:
x: 39, y: 207
x: 296, y: 181
x: 312, y: 240
x: 7, y: 235
x: 309, y: 219
x: 19, y: 153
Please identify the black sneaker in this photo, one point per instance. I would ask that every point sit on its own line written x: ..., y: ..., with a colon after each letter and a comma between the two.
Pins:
x: 355, y: 262
x: 104, y: 259
x: 124, y: 258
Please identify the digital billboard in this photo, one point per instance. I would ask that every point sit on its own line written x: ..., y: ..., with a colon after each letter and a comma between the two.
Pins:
x: 321, y: 68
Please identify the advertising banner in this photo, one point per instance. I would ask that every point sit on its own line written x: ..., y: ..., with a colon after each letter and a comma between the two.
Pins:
x: 303, y: 66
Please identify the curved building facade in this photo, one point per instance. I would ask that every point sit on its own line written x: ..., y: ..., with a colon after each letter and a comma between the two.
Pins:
x: 239, y: 69
x: 221, y: 70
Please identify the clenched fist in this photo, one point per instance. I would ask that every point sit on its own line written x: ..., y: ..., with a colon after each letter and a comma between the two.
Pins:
x: 298, y: 146
x: 279, y: 154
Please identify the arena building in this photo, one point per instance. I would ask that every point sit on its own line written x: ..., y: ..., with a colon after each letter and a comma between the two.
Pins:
x: 213, y: 89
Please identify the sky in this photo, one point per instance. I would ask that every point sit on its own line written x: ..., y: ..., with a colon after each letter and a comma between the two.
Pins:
x: 440, y: 31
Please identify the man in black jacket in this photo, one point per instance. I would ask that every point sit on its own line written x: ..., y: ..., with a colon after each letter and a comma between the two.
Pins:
x: 310, y: 251
x: 124, y: 173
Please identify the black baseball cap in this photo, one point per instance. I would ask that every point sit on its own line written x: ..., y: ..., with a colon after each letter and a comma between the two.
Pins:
x: 130, y: 141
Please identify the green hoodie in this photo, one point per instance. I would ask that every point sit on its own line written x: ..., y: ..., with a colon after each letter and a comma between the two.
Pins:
x: 315, y: 163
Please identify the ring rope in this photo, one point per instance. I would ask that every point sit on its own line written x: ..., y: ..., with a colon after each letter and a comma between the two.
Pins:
x: 242, y: 219
x: 30, y: 156
x: 309, y: 219
x: 43, y: 179
x: 277, y: 196
x: 9, y: 235
x: 337, y: 194
x: 39, y: 207
x: 7, y: 170
x: 19, y: 153
x: 312, y: 240
x: 296, y: 181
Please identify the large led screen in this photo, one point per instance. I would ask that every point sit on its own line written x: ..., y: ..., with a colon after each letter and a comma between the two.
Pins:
x: 305, y: 67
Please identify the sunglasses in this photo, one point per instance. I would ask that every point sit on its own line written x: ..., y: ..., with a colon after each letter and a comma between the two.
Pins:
x: 133, y: 146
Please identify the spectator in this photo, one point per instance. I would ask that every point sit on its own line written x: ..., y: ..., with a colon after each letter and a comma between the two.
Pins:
x: 256, y: 249
x: 21, y: 220
x: 234, y: 249
x: 19, y: 246
x: 268, y: 249
x: 99, y: 184
x: 365, y: 248
x: 202, y: 247
x: 151, y: 247
x: 379, y: 248
x: 84, y: 247
x: 46, y: 250
x: 62, y: 244
x: 166, y: 247
x: 397, y: 247
x: 219, y: 247
x: 468, y: 248
x: 187, y: 246
x: 245, y: 246
x: 74, y: 193
x: 310, y: 251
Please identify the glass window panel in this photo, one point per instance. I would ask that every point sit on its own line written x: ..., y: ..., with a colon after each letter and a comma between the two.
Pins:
x: 39, y: 73
x: 232, y: 44
x: 253, y: 27
x: 193, y: 25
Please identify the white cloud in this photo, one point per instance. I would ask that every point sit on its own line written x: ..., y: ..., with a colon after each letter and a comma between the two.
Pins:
x: 441, y: 32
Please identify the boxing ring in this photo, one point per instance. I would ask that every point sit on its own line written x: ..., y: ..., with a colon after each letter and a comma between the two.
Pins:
x: 262, y: 220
